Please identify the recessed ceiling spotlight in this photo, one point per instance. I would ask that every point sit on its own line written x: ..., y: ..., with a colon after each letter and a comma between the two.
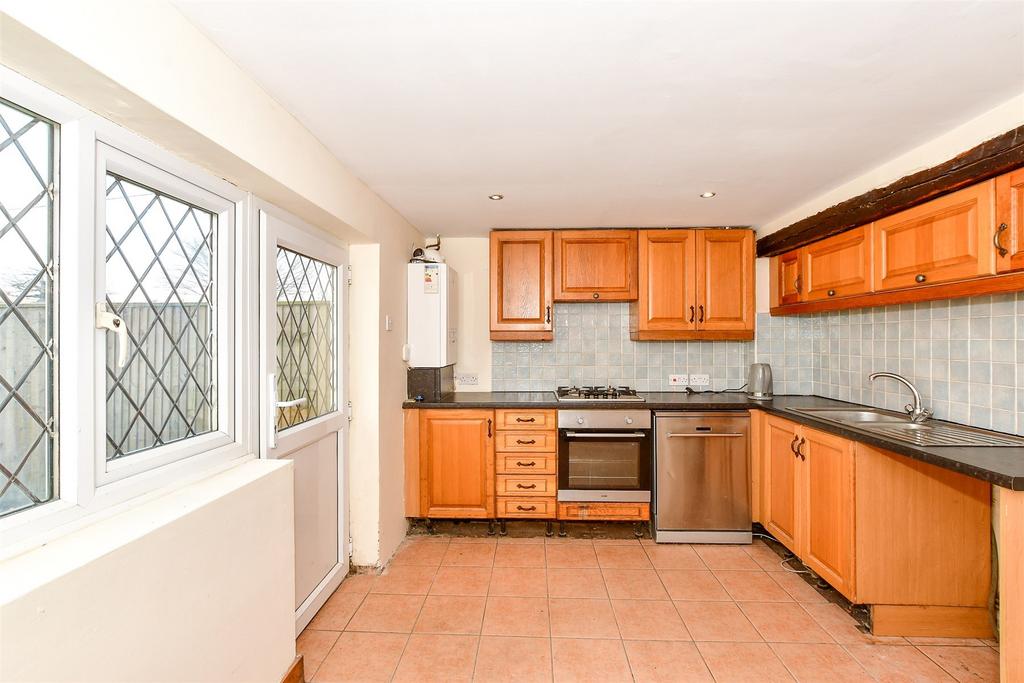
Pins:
x: 495, y: 197
x: 707, y: 195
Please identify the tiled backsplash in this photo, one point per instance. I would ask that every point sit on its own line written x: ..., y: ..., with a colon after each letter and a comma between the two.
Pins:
x: 966, y: 356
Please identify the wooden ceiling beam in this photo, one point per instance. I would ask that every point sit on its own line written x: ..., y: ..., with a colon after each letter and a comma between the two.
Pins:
x: 989, y: 159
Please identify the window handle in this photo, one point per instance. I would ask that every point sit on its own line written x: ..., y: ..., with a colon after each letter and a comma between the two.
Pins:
x: 105, y: 320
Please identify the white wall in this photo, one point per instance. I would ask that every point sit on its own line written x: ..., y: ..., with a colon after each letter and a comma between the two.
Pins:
x: 996, y: 121
x: 196, y: 585
x: 470, y: 257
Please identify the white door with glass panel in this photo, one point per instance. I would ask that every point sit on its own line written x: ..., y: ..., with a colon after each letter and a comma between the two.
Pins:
x: 301, y: 356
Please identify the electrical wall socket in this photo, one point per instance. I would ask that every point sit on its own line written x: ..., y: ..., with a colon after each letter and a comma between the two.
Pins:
x: 700, y: 380
x: 678, y: 380
x: 467, y: 379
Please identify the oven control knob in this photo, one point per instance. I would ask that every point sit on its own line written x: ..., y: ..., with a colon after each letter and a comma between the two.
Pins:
x: 629, y: 420
x: 580, y: 420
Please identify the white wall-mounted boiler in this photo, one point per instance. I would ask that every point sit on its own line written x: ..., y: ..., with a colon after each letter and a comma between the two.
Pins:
x: 433, y: 315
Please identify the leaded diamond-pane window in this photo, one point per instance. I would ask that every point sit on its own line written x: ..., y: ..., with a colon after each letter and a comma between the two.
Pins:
x: 160, y: 281
x: 27, y: 429
x: 305, y: 339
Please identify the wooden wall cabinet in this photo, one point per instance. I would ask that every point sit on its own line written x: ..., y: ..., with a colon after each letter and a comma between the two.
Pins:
x: 521, y: 301
x: 456, y: 464
x: 837, y: 266
x: 1009, y: 236
x: 694, y: 284
x: 787, y: 278
x: 595, y: 265
x: 946, y: 239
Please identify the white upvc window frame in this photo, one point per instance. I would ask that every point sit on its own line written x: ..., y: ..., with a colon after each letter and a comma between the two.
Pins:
x: 87, y: 488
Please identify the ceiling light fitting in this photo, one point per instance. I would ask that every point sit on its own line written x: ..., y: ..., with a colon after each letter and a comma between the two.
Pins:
x: 495, y: 197
x: 707, y: 195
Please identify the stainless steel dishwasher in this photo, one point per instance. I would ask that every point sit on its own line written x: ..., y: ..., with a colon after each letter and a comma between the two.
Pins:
x: 702, y: 477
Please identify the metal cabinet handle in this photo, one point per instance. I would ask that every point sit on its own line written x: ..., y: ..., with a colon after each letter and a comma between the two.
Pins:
x: 526, y: 486
x: 532, y: 463
x: 673, y: 435
x: 596, y: 295
x: 798, y: 282
x: 488, y: 429
x: 526, y: 508
x: 700, y: 317
x: 547, y: 316
x: 920, y: 277
x: 526, y: 419
x: 831, y: 292
x: 604, y: 435
x: 526, y: 442
x: 792, y: 446
x: 691, y: 314
x: 798, y: 451
x: 1003, y: 251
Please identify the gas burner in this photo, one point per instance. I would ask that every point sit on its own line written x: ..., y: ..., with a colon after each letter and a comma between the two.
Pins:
x: 597, y: 393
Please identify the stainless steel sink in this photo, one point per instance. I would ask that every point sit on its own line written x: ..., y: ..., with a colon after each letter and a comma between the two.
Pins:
x: 902, y: 428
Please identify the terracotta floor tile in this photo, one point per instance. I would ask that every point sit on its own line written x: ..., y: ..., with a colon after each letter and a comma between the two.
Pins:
x: 743, y: 663
x: 622, y: 557
x: 439, y: 658
x: 504, y: 659
x: 797, y: 588
x: 965, y: 663
x: 514, y: 540
x: 404, y: 580
x: 665, y: 662
x: 843, y: 627
x: 587, y: 582
x: 718, y: 621
x: 750, y: 585
x: 362, y: 657
x: 359, y: 584
x: 634, y: 584
x: 571, y: 555
x: 336, y: 612
x: 454, y: 614
x: 674, y: 557
x: 648, y: 620
x: 582, y: 618
x: 469, y: 555
x: 419, y: 554
x: 314, y: 646
x: 725, y: 557
x: 784, y: 622
x: 617, y: 541
x: 692, y: 584
x: 516, y: 617
x: 813, y: 662
x: 589, y: 661
x: 565, y: 540
x: 387, y: 613
x: 949, y: 642
x: 524, y: 582
x: 479, y: 540
x: 766, y: 558
x: 519, y: 555
x: 897, y: 663
x: 461, y: 581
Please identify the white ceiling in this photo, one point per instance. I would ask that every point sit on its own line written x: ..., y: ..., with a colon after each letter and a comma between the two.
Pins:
x: 619, y: 113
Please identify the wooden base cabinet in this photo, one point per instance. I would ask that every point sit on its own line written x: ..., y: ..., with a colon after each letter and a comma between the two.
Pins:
x: 456, y: 464
x: 527, y: 464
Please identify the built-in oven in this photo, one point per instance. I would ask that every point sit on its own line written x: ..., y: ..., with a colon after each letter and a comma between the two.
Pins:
x: 604, y: 455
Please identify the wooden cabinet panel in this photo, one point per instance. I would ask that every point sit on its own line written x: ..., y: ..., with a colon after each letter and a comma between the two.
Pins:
x: 827, y: 488
x: 520, y: 285
x: 457, y: 463
x: 786, y: 278
x: 527, y: 442
x: 527, y: 485
x: 526, y: 463
x: 526, y: 419
x: 838, y: 266
x: 605, y: 511
x: 527, y: 508
x: 667, y: 296
x: 779, y: 504
x: 1009, y: 237
x: 725, y: 280
x: 595, y: 265
x: 946, y: 239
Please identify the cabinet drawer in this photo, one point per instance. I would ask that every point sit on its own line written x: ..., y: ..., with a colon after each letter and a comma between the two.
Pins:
x: 609, y: 511
x: 525, y: 485
x: 543, y: 463
x: 527, y: 442
x: 527, y: 508
x: 526, y: 419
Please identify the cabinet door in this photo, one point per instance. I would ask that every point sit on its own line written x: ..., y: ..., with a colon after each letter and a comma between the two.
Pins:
x: 826, y: 504
x: 666, y: 300
x: 595, y: 265
x: 521, y: 271
x: 725, y: 280
x: 949, y: 238
x: 457, y: 463
x: 838, y: 266
x: 779, y: 505
x: 786, y: 278
x: 1009, y: 238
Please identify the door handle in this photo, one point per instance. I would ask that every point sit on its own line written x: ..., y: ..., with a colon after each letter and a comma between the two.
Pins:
x: 700, y: 317
x: 797, y: 283
x: 488, y: 428
x: 691, y: 314
x: 792, y: 446
x: 1003, y: 251
x: 798, y: 452
x: 105, y: 320
x: 547, y: 316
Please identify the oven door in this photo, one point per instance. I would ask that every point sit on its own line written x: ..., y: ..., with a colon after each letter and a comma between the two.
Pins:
x: 604, y: 466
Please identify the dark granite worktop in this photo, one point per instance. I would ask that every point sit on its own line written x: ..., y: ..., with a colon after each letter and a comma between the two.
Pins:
x: 1000, y: 466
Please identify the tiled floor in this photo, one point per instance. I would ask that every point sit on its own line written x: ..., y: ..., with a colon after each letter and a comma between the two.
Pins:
x: 460, y: 609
